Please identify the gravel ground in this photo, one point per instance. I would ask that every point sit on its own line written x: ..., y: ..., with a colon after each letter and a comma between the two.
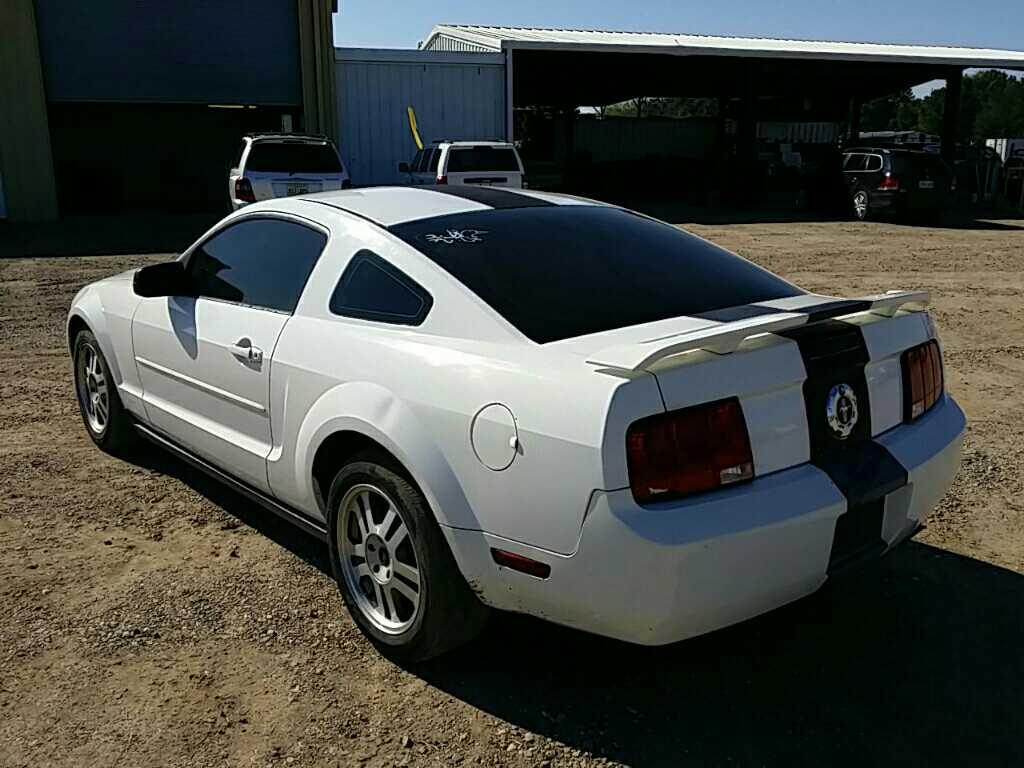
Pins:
x: 149, y: 617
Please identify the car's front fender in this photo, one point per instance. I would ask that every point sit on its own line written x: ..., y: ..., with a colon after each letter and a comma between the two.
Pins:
x: 87, y: 306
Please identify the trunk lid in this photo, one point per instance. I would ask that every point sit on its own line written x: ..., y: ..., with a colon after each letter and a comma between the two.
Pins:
x: 784, y: 360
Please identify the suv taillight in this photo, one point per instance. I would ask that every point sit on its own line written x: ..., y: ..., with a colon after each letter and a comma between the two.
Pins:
x: 688, y: 451
x: 922, y: 379
x: 889, y: 182
x: 442, y: 179
x: 243, y: 191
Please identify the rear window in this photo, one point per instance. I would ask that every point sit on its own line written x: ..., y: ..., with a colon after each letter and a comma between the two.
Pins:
x: 910, y: 165
x: 555, y: 272
x: 281, y: 157
x: 463, y: 159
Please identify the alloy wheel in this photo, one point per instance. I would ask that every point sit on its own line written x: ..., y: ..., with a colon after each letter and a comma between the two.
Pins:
x: 378, y: 560
x: 860, y: 204
x: 93, y: 389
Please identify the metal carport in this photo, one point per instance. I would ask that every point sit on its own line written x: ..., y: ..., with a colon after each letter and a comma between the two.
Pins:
x: 761, y: 78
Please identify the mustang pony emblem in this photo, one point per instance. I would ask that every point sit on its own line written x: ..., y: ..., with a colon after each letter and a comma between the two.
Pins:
x: 458, y: 236
x: 841, y: 410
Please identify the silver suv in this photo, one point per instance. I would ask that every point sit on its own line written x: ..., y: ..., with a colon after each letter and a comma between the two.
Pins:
x: 487, y: 163
x: 284, y: 164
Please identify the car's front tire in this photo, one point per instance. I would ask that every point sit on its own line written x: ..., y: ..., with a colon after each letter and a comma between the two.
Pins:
x: 105, y: 418
x: 394, y: 569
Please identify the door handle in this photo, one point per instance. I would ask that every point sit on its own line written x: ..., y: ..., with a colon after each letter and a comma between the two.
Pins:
x: 248, y: 350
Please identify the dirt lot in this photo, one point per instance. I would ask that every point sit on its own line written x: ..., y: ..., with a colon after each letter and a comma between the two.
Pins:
x: 148, y: 617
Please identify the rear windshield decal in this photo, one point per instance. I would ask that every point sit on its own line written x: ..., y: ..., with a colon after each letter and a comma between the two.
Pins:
x: 457, y: 236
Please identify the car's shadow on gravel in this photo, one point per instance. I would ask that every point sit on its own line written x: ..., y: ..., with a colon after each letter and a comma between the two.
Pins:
x: 918, y: 661
x: 281, y: 532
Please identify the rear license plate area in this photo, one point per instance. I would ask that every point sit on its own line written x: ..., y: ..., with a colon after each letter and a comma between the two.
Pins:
x: 296, y: 189
x: 926, y: 185
x: 858, y: 536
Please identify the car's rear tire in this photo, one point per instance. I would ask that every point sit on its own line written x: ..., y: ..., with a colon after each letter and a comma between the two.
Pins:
x: 860, y: 205
x: 106, y: 420
x: 394, y: 569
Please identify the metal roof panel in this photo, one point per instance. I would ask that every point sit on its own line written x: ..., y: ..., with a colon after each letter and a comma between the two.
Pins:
x: 499, y: 38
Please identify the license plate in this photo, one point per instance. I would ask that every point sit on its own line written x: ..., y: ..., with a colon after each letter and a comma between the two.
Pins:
x: 296, y: 189
x: 926, y: 185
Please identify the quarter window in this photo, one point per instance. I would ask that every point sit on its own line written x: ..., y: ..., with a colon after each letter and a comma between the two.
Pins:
x: 262, y: 262
x: 370, y: 288
x: 855, y: 162
x: 874, y: 163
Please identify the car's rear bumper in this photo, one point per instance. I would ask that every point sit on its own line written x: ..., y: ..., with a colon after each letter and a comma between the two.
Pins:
x: 655, y: 576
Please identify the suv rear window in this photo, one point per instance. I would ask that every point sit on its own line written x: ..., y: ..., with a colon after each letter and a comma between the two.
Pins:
x: 910, y: 165
x: 292, y: 157
x: 463, y: 159
x: 556, y: 272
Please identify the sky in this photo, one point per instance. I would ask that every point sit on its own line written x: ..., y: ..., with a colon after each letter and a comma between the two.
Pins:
x: 973, y: 23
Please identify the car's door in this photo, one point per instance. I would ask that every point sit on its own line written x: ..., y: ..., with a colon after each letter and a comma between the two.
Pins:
x: 204, y: 360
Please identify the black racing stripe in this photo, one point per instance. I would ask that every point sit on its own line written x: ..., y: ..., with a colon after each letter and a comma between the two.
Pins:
x: 815, y: 312
x: 836, y: 308
x: 496, y: 198
x: 863, y: 469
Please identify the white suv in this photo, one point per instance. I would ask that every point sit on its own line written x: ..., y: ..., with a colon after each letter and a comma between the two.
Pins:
x: 284, y: 164
x: 487, y: 163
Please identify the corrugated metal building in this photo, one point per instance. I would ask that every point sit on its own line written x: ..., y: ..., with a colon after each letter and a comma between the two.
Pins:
x: 117, y: 104
x: 454, y: 95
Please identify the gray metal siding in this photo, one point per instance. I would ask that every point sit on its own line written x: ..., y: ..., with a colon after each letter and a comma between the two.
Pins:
x: 456, y: 97
x: 186, y: 51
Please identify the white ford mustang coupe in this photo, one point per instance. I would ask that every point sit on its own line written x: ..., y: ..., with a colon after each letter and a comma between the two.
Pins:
x: 482, y: 397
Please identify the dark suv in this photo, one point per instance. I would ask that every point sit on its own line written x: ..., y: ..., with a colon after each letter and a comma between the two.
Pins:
x: 898, y: 181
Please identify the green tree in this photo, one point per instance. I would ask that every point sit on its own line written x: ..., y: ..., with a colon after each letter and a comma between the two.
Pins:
x: 896, y: 112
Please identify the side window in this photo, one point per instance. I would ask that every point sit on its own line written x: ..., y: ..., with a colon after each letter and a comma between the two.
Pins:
x: 262, y: 262
x: 417, y: 161
x: 874, y: 163
x: 372, y: 289
x: 434, y: 157
x: 855, y: 162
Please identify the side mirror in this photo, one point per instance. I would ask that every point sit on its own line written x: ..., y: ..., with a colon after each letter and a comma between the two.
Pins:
x: 403, y: 168
x: 165, y: 279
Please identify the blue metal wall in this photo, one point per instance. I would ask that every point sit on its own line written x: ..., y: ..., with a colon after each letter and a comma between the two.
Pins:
x: 455, y: 95
x: 183, y: 51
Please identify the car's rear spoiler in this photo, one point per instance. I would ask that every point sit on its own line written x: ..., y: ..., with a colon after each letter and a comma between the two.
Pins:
x: 725, y: 338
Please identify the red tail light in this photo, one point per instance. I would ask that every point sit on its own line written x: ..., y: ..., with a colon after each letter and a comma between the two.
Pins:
x: 442, y: 179
x: 243, y: 191
x: 688, y: 451
x: 890, y: 182
x: 922, y: 379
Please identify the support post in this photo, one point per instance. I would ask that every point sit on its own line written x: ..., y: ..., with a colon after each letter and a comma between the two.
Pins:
x: 855, y: 109
x: 26, y: 160
x: 317, y: 63
x: 509, y: 98
x: 569, y: 141
x: 747, y: 138
x: 951, y: 114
